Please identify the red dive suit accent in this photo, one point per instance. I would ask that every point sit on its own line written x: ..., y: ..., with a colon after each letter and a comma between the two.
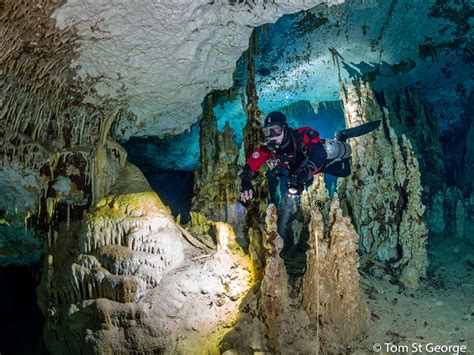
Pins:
x: 303, y: 138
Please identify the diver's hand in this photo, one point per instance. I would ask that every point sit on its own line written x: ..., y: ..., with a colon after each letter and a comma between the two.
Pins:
x: 247, y: 193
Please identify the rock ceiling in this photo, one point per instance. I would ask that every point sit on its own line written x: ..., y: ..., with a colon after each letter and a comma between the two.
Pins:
x: 163, y: 57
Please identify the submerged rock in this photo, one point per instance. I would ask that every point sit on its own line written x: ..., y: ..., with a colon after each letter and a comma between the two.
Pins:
x: 126, y: 279
x: 383, y: 194
x: 331, y: 295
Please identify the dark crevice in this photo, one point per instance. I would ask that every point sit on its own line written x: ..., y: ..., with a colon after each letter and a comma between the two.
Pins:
x: 22, y: 322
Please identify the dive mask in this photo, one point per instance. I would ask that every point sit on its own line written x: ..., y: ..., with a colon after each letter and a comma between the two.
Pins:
x: 272, y: 131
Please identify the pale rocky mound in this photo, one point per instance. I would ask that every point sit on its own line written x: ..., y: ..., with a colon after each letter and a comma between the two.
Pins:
x: 127, y: 279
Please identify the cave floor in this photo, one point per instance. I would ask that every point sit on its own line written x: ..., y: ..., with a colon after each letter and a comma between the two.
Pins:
x: 440, y: 312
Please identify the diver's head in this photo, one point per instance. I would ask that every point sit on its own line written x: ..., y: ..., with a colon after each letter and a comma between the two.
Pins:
x: 275, y: 130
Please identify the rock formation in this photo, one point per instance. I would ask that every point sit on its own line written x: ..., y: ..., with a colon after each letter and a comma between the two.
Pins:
x: 458, y: 213
x: 251, y: 140
x: 331, y: 294
x: 119, y: 274
x: 189, y: 47
x: 383, y: 194
x: 51, y: 140
x: 274, y: 299
x: 411, y: 116
x: 265, y: 315
x: 325, y: 314
x: 216, y: 179
x: 419, y: 123
x: 127, y: 279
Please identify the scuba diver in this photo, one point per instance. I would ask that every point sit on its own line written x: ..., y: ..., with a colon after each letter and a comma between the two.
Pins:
x: 299, y: 154
x: 295, y: 156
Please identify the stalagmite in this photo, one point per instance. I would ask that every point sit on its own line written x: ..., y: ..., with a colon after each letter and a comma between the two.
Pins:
x: 216, y: 180
x: 127, y: 254
x: 331, y: 293
x: 316, y: 197
x: 383, y: 194
x: 226, y: 239
x: 460, y: 219
x: 274, y: 299
x: 458, y: 214
x: 412, y: 232
x: 411, y: 115
x: 435, y: 216
x: 327, y: 312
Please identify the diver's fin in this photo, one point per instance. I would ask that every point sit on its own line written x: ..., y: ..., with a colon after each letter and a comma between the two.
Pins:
x: 356, y: 131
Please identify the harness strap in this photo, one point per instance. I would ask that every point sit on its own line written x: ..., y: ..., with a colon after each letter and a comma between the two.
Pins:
x: 311, y: 134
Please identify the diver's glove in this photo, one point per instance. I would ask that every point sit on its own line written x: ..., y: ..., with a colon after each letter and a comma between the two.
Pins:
x: 247, y: 193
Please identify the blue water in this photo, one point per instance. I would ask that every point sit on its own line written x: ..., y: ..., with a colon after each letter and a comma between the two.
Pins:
x: 175, y: 188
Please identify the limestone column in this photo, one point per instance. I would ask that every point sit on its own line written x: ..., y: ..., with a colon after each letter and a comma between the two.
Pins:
x: 383, y: 194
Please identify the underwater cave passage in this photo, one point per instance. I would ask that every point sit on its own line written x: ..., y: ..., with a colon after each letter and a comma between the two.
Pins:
x: 22, y: 322
x: 175, y: 188
x: 188, y: 247
x: 171, y: 177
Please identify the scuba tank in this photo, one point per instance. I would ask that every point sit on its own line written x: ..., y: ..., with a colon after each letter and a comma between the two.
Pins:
x: 336, y: 150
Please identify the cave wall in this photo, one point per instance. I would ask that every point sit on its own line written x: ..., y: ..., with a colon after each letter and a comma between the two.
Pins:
x: 53, y: 143
x: 76, y: 199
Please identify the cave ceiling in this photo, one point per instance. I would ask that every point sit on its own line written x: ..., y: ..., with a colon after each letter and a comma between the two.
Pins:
x: 164, y: 57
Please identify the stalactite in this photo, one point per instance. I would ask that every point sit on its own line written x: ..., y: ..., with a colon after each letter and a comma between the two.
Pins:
x: 383, y: 193
x: 31, y: 56
x: 46, y: 111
